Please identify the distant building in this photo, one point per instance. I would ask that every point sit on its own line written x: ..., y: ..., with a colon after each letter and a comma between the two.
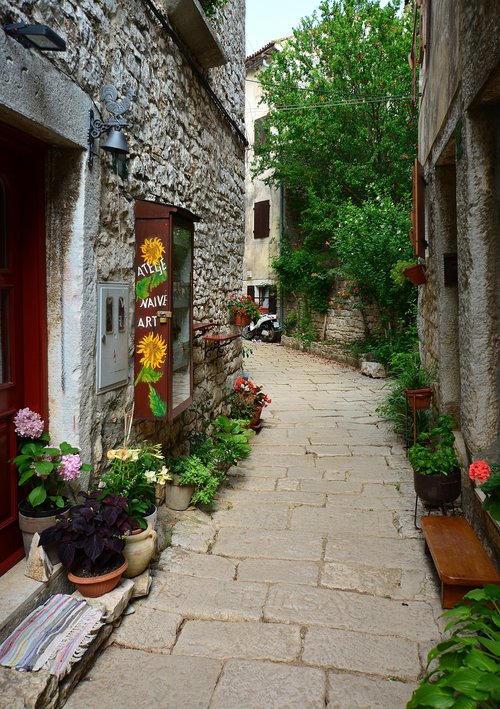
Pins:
x: 263, y: 203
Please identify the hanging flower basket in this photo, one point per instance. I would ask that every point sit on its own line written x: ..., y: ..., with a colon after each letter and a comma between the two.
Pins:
x: 415, y: 274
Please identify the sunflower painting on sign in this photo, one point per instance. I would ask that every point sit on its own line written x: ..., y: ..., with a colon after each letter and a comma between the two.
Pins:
x: 151, y: 291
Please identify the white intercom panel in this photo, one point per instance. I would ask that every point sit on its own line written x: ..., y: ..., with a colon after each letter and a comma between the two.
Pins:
x: 112, y: 335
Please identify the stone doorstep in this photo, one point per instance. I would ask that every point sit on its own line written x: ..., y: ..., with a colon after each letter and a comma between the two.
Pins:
x: 34, y: 691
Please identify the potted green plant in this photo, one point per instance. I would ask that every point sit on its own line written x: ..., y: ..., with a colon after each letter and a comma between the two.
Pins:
x: 436, y: 471
x: 464, y: 669
x: 44, y: 472
x: 226, y: 444
x: 90, y: 542
x: 192, y: 481
x: 243, y: 309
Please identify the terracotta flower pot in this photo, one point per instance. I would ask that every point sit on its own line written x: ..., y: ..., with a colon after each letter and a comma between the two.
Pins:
x: 415, y: 274
x: 139, y: 550
x: 98, y: 585
x: 254, y: 423
x: 419, y: 398
x: 242, y: 320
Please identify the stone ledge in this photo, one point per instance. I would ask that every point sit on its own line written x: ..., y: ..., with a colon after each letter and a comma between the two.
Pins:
x: 189, y: 21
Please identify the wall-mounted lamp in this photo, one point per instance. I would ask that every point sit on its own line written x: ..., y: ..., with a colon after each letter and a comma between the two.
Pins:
x: 39, y: 36
x: 116, y: 142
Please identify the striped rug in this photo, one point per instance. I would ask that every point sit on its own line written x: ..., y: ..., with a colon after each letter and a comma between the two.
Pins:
x: 52, y: 637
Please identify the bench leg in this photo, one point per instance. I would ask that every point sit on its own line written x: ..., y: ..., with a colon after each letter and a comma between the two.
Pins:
x: 451, y: 595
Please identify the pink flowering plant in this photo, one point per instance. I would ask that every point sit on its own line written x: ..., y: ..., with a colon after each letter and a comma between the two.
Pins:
x: 489, y: 477
x: 44, y: 469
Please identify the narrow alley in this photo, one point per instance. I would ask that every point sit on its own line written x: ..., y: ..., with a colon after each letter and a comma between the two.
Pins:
x: 308, y: 587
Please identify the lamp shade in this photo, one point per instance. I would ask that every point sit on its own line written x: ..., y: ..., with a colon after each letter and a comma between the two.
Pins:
x: 40, y: 36
x: 115, y: 142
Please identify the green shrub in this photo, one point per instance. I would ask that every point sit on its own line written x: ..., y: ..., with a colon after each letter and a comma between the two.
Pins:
x: 465, y: 668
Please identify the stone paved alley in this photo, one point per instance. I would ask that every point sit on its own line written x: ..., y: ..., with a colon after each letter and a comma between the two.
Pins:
x: 308, y: 587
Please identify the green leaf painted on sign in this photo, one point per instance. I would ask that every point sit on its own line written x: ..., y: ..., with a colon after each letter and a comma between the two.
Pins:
x: 144, y: 286
x: 150, y: 375
x: 156, y: 403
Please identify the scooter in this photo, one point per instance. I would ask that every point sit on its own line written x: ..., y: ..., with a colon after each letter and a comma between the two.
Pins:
x: 266, y: 328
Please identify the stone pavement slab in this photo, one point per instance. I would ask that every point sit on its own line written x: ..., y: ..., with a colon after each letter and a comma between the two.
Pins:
x: 361, y: 652
x: 265, y: 685
x: 342, y: 522
x: 239, y: 543
x: 180, y: 561
x: 223, y: 641
x: 279, y: 571
x: 150, y: 630
x: 132, y: 678
x: 194, y: 597
x: 346, y: 691
x: 288, y: 603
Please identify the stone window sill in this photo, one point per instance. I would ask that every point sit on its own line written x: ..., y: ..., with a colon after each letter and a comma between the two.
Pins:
x: 480, y: 495
x: 192, y: 26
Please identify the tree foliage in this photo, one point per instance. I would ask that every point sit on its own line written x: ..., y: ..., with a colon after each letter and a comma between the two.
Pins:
x: 339, y: 130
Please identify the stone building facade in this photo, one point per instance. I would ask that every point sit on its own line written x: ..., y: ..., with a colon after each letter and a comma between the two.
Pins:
x: 186, y: 148
x: 459, y: 148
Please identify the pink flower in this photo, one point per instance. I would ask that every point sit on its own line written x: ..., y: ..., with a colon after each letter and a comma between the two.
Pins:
x: 28, y: 423
x: 480, y: 470
x: 70, y: 467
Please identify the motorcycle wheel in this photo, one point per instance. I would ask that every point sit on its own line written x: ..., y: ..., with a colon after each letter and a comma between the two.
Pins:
x: 246, y: 333
x: 267, y: 333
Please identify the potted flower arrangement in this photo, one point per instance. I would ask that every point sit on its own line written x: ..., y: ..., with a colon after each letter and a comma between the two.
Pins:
x: 489, y: 478
x: 44, y: 471
x: 247, y: 401
x: 436, y: 471
x: 91, y: 540
x: 244, y: 309
x: 134, y: 473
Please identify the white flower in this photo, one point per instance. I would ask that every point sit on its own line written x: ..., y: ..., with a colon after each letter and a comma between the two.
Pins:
x: 150, y: 476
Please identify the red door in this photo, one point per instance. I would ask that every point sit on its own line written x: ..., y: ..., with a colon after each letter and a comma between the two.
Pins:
x: 23, y: 341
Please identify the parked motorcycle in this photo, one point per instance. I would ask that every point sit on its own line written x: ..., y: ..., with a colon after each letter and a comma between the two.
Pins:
x: 266, y: 328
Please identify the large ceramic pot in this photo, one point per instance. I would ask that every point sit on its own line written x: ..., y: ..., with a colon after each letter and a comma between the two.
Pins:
x: 33, y: 520
x: 436, y: 490
x: 178, y: 497
x: 139, y: 549
x: 95, y: 586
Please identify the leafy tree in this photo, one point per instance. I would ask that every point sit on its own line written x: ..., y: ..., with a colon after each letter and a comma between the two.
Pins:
x: 339, y: 134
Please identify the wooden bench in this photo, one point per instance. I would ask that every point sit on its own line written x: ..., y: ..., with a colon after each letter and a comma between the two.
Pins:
x: 458, y: 555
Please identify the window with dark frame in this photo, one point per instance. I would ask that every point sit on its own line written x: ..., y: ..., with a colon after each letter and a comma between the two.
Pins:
x: 261, y: 219
x: 260, y: 130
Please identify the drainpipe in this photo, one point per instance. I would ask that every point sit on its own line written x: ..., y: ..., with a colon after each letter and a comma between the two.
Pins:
x: 281, y: 233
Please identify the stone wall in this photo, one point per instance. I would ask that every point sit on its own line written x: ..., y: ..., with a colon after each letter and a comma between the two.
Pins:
x: 459, y: 316
x: 182, y: 152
